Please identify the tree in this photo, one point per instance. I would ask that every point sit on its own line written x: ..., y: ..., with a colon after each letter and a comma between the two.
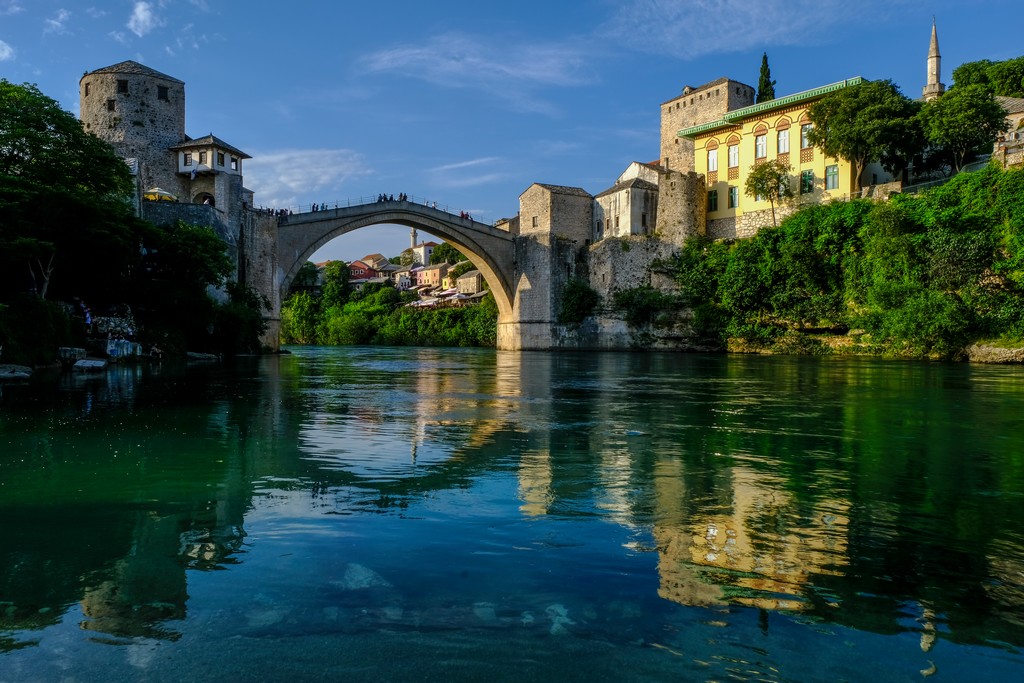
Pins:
x: 1004, y: 78
x: 769, y: 180
x: 765, y: 84
x: 963, y: 121
x: 63, y: 200
x: 872, y: 120
x: 407, y: 258
x: 445, y: 253
x: 335, y: 283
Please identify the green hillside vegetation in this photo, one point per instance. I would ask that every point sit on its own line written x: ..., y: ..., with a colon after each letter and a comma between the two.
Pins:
x: 917, y: 276
x: 378, y: 314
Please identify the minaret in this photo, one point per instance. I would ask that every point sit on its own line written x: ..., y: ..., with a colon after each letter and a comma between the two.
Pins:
x: 934, y: 88
x: 412, y: 237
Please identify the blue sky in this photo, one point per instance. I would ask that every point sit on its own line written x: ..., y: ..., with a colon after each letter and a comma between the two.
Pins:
x: 468, y: 103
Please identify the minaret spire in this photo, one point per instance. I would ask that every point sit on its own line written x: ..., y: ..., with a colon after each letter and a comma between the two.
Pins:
x: 934, y: 88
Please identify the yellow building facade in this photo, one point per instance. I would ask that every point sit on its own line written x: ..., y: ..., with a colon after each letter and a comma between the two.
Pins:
x: 727, y: 149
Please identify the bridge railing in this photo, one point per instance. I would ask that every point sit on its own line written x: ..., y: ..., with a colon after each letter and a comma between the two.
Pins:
x: 359, y: 201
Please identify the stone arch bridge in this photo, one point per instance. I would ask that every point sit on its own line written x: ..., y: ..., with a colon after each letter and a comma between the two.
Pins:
x: 490, y: 249
x: 526, y: 265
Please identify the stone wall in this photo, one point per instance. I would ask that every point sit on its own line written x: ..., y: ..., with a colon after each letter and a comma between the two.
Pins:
x: 258, y: 268
x: 682, y: 211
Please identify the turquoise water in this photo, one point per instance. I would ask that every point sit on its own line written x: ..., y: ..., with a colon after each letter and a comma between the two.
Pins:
x: 462, y: 515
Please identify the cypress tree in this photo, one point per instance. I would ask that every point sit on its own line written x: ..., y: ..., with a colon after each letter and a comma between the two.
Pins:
x: 765, y: 85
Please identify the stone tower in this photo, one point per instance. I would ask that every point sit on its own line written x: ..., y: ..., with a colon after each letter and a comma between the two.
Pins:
x: 934, y: 88
x: 693, y: 107
x: 141, y: 112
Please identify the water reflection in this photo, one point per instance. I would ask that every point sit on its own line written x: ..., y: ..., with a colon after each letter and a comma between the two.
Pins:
x: 884, y: 497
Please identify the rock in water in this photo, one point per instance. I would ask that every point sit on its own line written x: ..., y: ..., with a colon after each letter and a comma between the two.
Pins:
x: 359, y: 577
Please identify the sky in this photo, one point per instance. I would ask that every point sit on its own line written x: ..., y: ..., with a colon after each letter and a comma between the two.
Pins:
x: 469, y: 103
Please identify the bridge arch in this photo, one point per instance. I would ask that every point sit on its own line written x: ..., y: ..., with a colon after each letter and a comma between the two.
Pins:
x: 490, y: 249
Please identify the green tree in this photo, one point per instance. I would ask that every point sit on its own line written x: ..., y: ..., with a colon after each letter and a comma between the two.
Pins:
x: 1004, y: 78
x: 769, y: 180
x: 963, y: 121
x: 335, y: 291
x: 765, y: 84
x: 407, y: 258
x: 872, y: 120
x: 579, y: 300
x: 460, y: 269
x: 64, y: 201
x: 445, y: 253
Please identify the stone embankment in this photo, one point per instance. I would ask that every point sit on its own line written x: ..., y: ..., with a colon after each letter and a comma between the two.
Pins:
x: 982, y: 353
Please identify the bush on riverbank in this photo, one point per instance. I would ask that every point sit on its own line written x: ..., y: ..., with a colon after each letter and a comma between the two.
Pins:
x: 378, y: 314
x: 921, y: 275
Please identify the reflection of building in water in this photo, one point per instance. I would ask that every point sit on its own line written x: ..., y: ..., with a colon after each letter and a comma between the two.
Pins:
x: 760, y: 552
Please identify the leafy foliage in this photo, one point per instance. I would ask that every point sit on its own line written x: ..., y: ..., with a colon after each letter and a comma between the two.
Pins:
x: 922, y: 275
x: 642, y: 305
x: 769, y: 180
x: 63, y: 202
x: 445, y: 253
x: 872, y: 120
x: 963, y: 121
x: 1004, y: 78
x: 578, y: 301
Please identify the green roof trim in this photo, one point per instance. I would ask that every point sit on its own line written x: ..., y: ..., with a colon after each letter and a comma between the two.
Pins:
x: 732, y: 118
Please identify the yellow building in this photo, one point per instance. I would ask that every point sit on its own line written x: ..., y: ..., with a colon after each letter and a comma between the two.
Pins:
x: 726, y: 150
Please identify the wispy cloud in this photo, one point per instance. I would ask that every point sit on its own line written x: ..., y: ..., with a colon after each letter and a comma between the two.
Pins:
x: 702, y: 27
x: 143, y: 19
x: 9, y: 7
x: 6, y: 51
x: 278, y: 178
x: 470, y: 173
x: 184, y: 41
x: 57, y: 23
x: 201, y: 4
x: 458, y: 61
x: 96, y: 12
x: 465, y: 164
x: 119, y: 36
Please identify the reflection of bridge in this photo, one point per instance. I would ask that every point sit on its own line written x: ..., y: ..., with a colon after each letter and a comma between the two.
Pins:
x: 490, y: 249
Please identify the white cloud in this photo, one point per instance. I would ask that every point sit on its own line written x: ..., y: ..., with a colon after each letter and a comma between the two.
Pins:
x: 6, y: 51
x: 458, y: 61
x: 9, y: 7
x: 143, y: 19
x: 58, y: 23
x: 278, y: 178
x: 119, y: 36
x: 95, y: 12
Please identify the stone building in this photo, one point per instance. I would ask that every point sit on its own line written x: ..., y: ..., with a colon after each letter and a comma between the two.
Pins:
x: 630, y: 206
x: 141, y: 113
x: 693, y: 107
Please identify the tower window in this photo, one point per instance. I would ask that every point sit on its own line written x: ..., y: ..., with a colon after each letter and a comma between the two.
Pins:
x: 234, y: 164
x: 220, y: 158
x: 86, y: 89
x: 202, y: 157
x: 161, y: 93
x: 122, y: 86
x: 111, y: 105
x: 188, y: 158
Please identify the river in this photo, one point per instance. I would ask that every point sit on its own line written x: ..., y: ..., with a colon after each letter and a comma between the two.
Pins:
x: 394, y: 514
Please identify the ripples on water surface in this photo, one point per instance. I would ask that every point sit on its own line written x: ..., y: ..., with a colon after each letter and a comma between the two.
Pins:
x: 413, y: 514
